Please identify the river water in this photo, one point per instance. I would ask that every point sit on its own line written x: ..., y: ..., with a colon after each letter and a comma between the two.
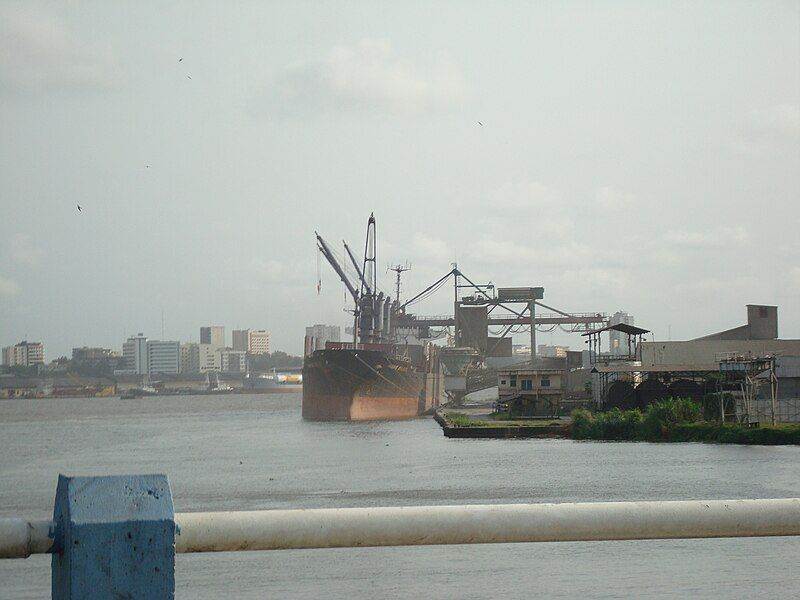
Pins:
x: 244, y: 452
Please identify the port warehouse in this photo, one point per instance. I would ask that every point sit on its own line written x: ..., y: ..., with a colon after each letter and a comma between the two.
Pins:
x: 648, y: 371
x: 658, y: 369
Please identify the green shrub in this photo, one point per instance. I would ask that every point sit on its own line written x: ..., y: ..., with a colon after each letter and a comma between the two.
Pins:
x: 662, y: 416
x: 583, y: 425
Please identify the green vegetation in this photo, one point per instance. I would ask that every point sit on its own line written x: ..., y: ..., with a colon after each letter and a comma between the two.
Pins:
x: 675, y: 420
x: 276, y: 360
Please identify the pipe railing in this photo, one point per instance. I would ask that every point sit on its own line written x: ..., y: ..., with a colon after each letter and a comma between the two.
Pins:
x: 439, y: 525
x: 117, y: 536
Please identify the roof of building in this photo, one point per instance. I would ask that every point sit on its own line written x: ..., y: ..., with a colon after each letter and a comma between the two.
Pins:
x: 549, y: 364
x: 628, y: 368
x: 623, y: 327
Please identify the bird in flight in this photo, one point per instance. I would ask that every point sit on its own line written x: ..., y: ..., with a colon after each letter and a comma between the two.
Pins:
x: 79, y: 208
x: 147, y: 166
x: 189, y: 76
x: 180, y: 60
x: 479, y: 123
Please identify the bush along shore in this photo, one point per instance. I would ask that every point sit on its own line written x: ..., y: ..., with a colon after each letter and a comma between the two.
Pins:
x: 670, y: 420
x: 674, y: 420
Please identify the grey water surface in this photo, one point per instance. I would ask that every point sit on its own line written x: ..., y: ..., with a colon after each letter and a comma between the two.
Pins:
x: 246, y: 452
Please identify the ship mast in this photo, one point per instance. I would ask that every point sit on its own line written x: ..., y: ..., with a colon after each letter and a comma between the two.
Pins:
x: 369, y: 285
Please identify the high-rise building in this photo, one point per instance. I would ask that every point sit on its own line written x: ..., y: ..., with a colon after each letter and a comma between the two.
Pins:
x: 617, y: 340
x: 254, y: 341
x: 190, y: 358
x: 318, y: 335
x: 213, y: 335
x: 24, y: 354
x: 241, y: 339
x: 259, y: 342
x: 163, y: 357
x: 134, y: 351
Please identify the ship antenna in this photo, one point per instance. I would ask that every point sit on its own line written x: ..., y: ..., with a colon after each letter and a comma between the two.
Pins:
x: 399, y: 269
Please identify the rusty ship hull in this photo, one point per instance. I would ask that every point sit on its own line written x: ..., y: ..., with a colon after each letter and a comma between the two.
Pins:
x: 363, y: 385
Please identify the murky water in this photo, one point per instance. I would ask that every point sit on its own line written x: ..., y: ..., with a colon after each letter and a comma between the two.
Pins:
x: 254, y: 452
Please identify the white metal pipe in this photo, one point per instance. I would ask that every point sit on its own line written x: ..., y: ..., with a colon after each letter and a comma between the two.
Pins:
x: 483, y: 524
x: 20, y: 538
x: 470, y: 524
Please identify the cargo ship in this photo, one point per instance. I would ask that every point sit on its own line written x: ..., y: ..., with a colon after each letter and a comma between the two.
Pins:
x: 373, y: 377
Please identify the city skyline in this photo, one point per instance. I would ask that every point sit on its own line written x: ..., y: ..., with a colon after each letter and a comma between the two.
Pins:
x: 647, y: 168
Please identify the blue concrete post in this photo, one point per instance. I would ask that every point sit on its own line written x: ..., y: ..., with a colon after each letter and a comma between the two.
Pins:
x: 115, y: 538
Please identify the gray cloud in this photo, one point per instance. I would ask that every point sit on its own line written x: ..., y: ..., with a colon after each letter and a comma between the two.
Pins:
x: 9, y: 287
x: 368, y: 76
x: 39, y: 52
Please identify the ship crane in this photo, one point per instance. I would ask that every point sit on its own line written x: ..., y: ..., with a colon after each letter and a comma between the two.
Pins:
x: 323, y: 247
x: 357, y: 267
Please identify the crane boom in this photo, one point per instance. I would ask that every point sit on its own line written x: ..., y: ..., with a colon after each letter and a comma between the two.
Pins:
x: 358, y: 269
x: 326, y: 252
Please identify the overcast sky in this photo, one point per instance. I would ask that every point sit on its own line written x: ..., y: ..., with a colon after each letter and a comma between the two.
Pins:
x: 633, y: 156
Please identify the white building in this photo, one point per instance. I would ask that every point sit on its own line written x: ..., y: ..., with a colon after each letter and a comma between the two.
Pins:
x: 163, y: 357
x: 208, y: 358
x: 617, y: 340
x: 24, y: 354
x: 254, y: 341
x: 318, y: 335
x: 548, y: 351
x: 134, y: 352
x: 213, y: 335
x: 259, y: 341
x: 232, y: 361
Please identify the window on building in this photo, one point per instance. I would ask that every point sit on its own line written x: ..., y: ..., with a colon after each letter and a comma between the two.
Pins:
x: 513, y: 382
x: 545, y: 383
x: 527, y: 384
x: 502, y: 382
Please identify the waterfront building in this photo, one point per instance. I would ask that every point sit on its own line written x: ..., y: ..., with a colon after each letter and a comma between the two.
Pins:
x: 232, y: 361
x: 163, y: 356
x: 213, y: 335
x: 617, y: 340
x: 24, y: 354
x: 529, y: 390
x: 318, y: 335
x: 190, y: 358
x: 134, y: 353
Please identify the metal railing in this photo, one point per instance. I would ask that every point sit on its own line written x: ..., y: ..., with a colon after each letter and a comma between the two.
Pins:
x: 439, y: 525
x: 129, y: 521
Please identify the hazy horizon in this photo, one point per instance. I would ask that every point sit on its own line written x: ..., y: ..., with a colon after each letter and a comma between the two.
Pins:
x: 625, y: 157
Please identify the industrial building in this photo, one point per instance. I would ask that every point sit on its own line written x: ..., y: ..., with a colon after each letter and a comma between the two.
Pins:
x: 748, y: 360
x: 531, y: 391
